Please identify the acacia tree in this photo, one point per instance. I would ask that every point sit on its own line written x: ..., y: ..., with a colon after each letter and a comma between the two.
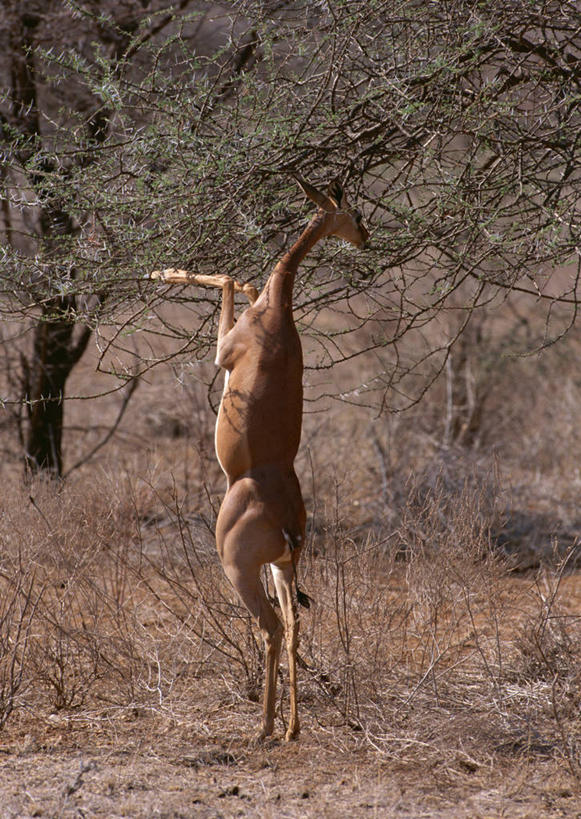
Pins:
x: 39, y: 221
x: 457, y: 124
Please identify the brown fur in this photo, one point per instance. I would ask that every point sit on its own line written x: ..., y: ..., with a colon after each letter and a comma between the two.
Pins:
x: 262, y: 518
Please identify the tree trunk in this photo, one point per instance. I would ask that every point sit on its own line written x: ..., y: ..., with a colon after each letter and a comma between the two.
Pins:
x: 55, y: 353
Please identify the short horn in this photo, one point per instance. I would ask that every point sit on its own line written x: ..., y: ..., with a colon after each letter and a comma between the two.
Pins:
x: 313, y: 193
x: 335, y: 192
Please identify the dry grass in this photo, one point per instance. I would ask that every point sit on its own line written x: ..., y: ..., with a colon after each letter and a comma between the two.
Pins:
x: 423, y: 658
x: 435, y: 680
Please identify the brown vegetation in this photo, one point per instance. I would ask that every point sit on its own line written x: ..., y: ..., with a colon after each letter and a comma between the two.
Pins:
x: 441, y: 659
x: 437, y: 676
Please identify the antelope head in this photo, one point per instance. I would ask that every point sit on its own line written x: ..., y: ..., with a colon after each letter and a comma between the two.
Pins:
x: 340, y: 219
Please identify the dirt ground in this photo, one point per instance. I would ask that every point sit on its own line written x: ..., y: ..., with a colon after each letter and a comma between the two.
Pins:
x: 457, y: 752
x: 187, y: 763
x: 307, y: 778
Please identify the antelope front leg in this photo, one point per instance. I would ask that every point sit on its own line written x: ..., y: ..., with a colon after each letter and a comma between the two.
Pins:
x: 173, y: 275
x: 226, y: 322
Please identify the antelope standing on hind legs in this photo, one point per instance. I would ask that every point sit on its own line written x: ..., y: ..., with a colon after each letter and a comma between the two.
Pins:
x: 258, y: 430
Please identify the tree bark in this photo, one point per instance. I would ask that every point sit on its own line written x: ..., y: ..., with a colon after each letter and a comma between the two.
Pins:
x: 55, y: 353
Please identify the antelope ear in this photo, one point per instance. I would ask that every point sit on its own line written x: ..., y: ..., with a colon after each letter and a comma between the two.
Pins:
x: 336, y: 194
x: 315, y: 195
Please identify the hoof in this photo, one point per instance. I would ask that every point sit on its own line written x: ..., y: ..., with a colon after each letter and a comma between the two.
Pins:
x: 250, y: 291
x: 292, y: 733
x: 263, y: 740
x: 262, y: 737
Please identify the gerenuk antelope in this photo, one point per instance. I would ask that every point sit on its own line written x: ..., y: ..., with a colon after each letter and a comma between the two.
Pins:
x: 258, y: 430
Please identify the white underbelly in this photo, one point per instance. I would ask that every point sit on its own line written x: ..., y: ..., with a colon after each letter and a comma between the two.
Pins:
x: 226, y: 377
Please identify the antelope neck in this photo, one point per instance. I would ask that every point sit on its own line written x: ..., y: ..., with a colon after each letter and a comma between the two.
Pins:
x: 281, y: 280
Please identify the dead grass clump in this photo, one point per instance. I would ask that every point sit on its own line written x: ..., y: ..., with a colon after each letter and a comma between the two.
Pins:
x: 19, y: 597
x: 547, y: 646
x: 419, y: 655
x: 65, y: 556
x: 419, y: 646
x: 180, y: 571
x: 452, y: 504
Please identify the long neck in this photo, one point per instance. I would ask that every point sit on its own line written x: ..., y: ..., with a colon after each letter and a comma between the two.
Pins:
x: 279, y: 287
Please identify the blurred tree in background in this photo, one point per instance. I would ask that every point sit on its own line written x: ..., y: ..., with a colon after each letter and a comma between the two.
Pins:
x: 140, y: 135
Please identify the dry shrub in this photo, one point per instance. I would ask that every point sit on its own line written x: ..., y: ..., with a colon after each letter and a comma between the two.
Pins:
x: 19, y: 598
x: 74, y: 542
x: 418, y: 639
x: 179, y: 568
x: 545, y: 666
x: 112, y: 597
x: 415, y: 638
x: 401, y: 607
